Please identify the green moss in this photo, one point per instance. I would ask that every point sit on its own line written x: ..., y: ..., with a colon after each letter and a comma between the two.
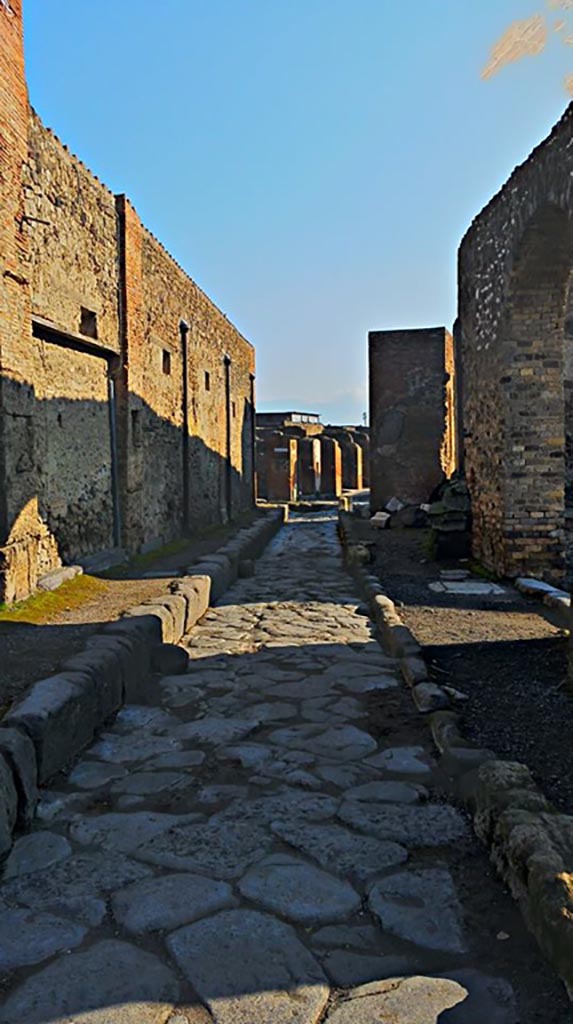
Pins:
x: 46, y: 605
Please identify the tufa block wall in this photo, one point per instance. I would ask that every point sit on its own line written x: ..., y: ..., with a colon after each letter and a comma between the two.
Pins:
x: 126, y: 402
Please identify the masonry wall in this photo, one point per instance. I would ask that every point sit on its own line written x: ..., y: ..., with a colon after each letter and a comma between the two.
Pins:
x: 408, y: 405
x: 111, y: 434
x: 515, y: 267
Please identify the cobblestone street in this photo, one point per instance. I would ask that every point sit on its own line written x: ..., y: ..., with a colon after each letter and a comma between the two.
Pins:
x: 254, y: 845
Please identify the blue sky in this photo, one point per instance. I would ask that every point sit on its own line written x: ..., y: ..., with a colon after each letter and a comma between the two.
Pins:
x: 313, y: 164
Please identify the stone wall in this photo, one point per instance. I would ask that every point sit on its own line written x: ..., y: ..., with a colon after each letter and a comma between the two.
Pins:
x: 409, y: 417
x: 515, y: 266
x: 126, y: 403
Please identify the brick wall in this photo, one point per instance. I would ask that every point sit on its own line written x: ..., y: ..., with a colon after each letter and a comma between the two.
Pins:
x: 514, y: 271
x: 408, y: 413
x: 127, y: 396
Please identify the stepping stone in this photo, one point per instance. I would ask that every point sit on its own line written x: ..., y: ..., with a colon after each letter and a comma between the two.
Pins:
x: 27, y: 937
x: 217, y: 794
x: 276, y: 711
x: 139, y: 717
x: 269, y: 975
x: 56, y: 806
x: 370, y: 684
x: 75, y: 886
x: 414, y: 1000
x: 215, y: 731
x: 218, y: 849
x: 347, y: 775
x: 403, y: 761
x: 110, y: 983
x: 338, y: 743
x: 307, y: 688
x: 147, y: 783
x: 346, y: 969
x: 285, y: 807
x: 387, y: 792
x: 428, y: 825
x: 36, y: 852
x: 298, y: 891
x: 362, y: 937
x: 420, y: 906
x: 124, y: 832
x: 127, y: 749
x: 178, y: 759
x: 93, y: 774
x: 168, y: 902
x: 340, y: 850
x: 249, y: 755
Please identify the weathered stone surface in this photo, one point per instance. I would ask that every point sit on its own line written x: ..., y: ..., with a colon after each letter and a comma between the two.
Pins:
x: 298, y: 891
x: 346, y: 969
x: 488, y: 999
x: 428, y: 825
x: 93, y: 774
x: 123, y: 831
x: 75, y: 886
x: 110, y: 983
x: 342, y: 851
x: 421, y: 906
x: 347, y: 775
x: 218, y: 849
x: 269, y: 975
x: 178, y: 759
x: 387, y: 792
x: 168, y: 902
x: 215, y: 731
x: 120, y: 749
x: 8, y: 805
x: 402, y: 760
x: 430, y: 697
x: 169, y: 660
x: 361, y: 937
x: 414, y: 1000
x: 286, y: 806
x: 18, y: 751
x: 28, y: 938
x: 149, y: 782
x: 140, y: 717
x: 36, y: 852
x: 337, y: 743
x: 249, y: 755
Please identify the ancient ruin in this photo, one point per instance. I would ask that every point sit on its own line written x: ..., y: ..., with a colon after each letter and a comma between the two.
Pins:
x: 127, y: 397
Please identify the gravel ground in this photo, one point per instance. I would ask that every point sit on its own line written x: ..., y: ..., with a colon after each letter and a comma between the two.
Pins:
x: 501, y: 652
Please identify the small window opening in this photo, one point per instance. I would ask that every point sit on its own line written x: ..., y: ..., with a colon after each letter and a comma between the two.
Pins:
x: 207, y: 381
x: 166, y: 361
x: 88, y: 322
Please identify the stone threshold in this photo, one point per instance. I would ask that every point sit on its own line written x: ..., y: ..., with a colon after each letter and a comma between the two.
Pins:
x: 59, y: 716
x: 530, y: 842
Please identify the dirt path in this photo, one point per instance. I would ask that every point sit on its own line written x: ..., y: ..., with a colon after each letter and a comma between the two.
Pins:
x: 263, y: 838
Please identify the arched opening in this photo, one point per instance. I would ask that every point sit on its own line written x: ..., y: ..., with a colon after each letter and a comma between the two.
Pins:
x: 538, y: 469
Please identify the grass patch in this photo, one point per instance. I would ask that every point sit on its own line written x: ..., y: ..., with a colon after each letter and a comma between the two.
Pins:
x: 46, y: 605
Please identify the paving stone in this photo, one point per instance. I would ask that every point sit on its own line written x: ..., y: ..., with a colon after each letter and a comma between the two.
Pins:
x: 269, y: 977
x: 340, y: 850
x: 149, y: 782
x: 346, y: 776
x: 123, y: 831
x: 287, y: 806
x: 299, y: 891
x: 55, y: 806
x: 27, y: 937
x: 110, y: 983
x: 249, y: 755
x: 135, y: 717
x: 216, y: 731
x: 387, y: 792
x: 20, y: 754
x: 217, y: 794
x: 121, y: 749
x: 416, y: 1000
x: 74, y: 886
x: 338, y: 743
x: 93, y: 774
x: 427, y: 825
x: 488, y: 999
x: 168, y: 902
x: 403, y: 761
x: 361, y: 937
x: 181, y: 759
x: 370, y: 684
x: 274, y: 711
x: 35, y: 852
x: 346, y: 969
x: 218, y: 849
x: 420, y: 906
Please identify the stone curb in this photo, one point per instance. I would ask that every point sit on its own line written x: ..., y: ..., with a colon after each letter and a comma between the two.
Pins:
x: 530, y: 843
x: 59, y: 716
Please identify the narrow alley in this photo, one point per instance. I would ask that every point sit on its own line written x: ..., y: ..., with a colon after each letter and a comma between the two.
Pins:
x: 267, y: 840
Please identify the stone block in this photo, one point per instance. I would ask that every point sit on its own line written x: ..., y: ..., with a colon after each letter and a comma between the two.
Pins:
x: 197, y: 591
x: 17, y: 749
x: 133, y: 659
x: 430, y: 697
x: 54, y: 579
x: 60, y: 715
x: 413, y: 670
x: 104, y: 668
x: 177, y: 606
x: 170, y: 660
x: 8, y: 805
x: 160, y: 612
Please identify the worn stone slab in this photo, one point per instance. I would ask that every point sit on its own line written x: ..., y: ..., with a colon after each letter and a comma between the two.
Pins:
x: 18, y: 751
x: 420, y: 906
x: 36, y: 852
x: 169, y: 902
x: 489, y: 998
x: 94, y: 774
x: 337, y: 743
x: 269, y: 976
x: 27, y: 937
x: 427, y: 825
x: 387, y: 792
x: 347, y: 775
x: 286, y: 806
x: 123, y: 831
x: 177, y: 759
x: 360, y: 937
x: 121, y: 749
x: 347, y: 969
x: 149, y: 782
x: 342, y: 851
x: 249, y: 755
x: 136, y: 717
x: 298, y: 891
x: 76, y: 886
x: 215, y: 731
x: 218, y: 849
x: 8, y: 805
x: 414, y: 1000
x: 110, y: 983
x: 216, y: 794
x: 403, y: 761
